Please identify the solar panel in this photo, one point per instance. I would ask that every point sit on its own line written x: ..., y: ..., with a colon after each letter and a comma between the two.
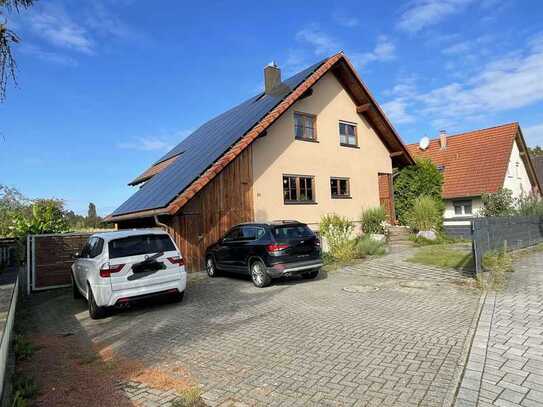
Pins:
x: 205, y: 146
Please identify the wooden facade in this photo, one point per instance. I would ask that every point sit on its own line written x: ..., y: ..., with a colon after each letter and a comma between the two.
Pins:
x: 386, y: 196
x: 224, y: 202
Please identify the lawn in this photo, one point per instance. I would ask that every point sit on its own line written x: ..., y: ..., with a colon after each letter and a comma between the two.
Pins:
x: 443, y: 256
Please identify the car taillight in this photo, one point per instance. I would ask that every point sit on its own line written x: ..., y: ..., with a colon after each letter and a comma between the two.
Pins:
x: 177, y: 260
x: 275, y: 248
x: 107, y: 269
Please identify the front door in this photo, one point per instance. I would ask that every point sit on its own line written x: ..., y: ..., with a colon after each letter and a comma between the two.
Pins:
x: 386, y: 195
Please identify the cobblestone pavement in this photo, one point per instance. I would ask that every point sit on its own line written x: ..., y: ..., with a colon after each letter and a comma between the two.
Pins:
x: 384, y: 332
x: 505, y: 366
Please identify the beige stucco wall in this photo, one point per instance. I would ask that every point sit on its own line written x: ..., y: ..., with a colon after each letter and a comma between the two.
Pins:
x: 449, y: 215
x: 517, y: 179
x: 279, y: 153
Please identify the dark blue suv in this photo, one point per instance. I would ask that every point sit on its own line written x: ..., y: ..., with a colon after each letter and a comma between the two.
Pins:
x: 266, y: 251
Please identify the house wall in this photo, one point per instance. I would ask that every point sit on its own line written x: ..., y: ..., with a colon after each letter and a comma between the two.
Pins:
x: 280, y: 153
x: 476, y: 207
x: 226, y: 201
x: 516, y: 178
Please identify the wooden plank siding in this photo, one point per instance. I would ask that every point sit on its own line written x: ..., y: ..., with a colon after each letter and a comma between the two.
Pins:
x: 226, y: 201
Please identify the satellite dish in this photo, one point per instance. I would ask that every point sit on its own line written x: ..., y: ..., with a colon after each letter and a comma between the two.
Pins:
x: 424, y: 143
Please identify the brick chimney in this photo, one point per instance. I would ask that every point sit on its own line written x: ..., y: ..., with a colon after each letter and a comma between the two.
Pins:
x: 272, y: 77
x: 443, y: 139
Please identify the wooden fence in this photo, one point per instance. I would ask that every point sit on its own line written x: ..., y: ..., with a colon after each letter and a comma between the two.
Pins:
x: 50, y: 257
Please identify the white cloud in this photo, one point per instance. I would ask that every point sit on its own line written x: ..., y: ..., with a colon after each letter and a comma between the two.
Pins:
x: 534, y: 134
x: 396, y: 111
x: 423, y: 13
x: 322, y: 43
x: 54, y: 25
x: 146, y: 144
x: 346, y: 20
x: 48, y: 56
x: 384, y: 50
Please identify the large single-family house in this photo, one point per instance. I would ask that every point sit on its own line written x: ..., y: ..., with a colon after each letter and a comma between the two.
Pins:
x: 478, y: 162
x: 306, y: 146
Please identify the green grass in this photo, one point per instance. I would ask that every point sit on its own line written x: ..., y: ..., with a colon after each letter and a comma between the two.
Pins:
x: 442, y: 256
x: 23, y: 348
x: 441, y: 240
x: 189, y: 398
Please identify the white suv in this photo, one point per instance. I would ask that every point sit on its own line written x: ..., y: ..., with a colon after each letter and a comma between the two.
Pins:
x: 114, y: 268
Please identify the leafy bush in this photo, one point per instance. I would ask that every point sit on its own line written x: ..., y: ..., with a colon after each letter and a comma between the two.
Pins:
x: 413, y: 181
x: 373, y: 220
x: 337, y: 230
x: 425, y: 214
x: 529, y: 205
x: 500, y: 203
x: 45, y: 216
x: 366, y: 246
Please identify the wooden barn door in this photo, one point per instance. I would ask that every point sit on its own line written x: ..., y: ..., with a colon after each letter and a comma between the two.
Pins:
x: 386, y: 195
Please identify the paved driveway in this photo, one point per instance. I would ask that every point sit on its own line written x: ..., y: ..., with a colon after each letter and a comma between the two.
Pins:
x: 372, y: 334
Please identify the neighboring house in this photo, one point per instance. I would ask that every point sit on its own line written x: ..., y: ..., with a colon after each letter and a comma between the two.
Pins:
x: 478, y: 162
x: 313, y: 144
x: 538, y: 165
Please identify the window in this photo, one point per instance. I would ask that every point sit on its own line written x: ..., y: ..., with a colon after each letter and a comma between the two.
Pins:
x: 304, y: 126
x: 298, y: 189
x: 251, y: 233
x: 292, y: 232
x: 462, y: 208
x: 232, y: 235
x: 340, y: 187
x: 96, y: 247
x: 347, y: 134
x: 138, y: 245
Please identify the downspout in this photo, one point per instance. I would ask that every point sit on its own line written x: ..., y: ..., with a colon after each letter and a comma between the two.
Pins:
x: 160, y: 224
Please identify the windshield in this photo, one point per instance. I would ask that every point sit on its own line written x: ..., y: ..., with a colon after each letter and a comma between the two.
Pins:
x: 142, y: 244
x: 292, y: 232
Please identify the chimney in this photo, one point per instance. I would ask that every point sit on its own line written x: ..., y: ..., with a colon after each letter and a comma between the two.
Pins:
x: 272, y: 77
x: 443, y: 139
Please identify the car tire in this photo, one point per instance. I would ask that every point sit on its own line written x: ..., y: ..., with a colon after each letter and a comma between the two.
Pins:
x: 258, y: 274
x: 75, y: 291
x: 211, y: 267
x: 178, y: 296
x: 95, y: 311
x: 311, y: 275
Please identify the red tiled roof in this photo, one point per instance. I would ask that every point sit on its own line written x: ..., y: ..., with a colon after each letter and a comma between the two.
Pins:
x: 475, y: 162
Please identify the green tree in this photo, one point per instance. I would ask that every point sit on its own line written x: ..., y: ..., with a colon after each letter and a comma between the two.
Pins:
x: 421, y: 179
x: 45, y: 216
x: 11, y: 202
x: 500, y: 203
x: 535, y: 151
x: 7, y: 39
x: 92, y: 217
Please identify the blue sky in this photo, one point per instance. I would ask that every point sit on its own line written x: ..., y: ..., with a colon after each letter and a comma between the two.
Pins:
x: 108, y: 86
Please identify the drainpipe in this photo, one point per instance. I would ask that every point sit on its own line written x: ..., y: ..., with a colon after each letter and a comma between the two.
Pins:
x: 160, y: 224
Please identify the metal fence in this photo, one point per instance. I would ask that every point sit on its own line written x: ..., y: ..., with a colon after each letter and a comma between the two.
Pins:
x: 511, y: 233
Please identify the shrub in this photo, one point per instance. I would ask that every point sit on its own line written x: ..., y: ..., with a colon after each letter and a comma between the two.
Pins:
x: 413, y: 181
x: 529, y: 205
x: 500, y: 203
x: 366, y: 246
x: 337, y: 230
x: 373, y: 220
x: 425, y: 214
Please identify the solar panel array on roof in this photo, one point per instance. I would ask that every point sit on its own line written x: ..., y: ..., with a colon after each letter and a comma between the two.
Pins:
x: 205, y: 146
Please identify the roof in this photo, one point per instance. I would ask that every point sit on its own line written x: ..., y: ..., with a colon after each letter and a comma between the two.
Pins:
x: 538, y: 166
x: 119, y: 234
x: 474, y: 162
x: 182, y: 172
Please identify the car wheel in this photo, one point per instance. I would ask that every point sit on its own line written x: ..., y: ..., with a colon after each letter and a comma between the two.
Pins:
x: 311, y: 275
x: 178, y: 296
x: 211, y: 269
x: 95, y: 311
x: 259, y: 275
x: 75, y: 291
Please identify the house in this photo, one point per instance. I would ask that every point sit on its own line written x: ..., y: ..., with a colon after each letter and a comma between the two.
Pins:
x: 478, y: 162
x: 309, y: 145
